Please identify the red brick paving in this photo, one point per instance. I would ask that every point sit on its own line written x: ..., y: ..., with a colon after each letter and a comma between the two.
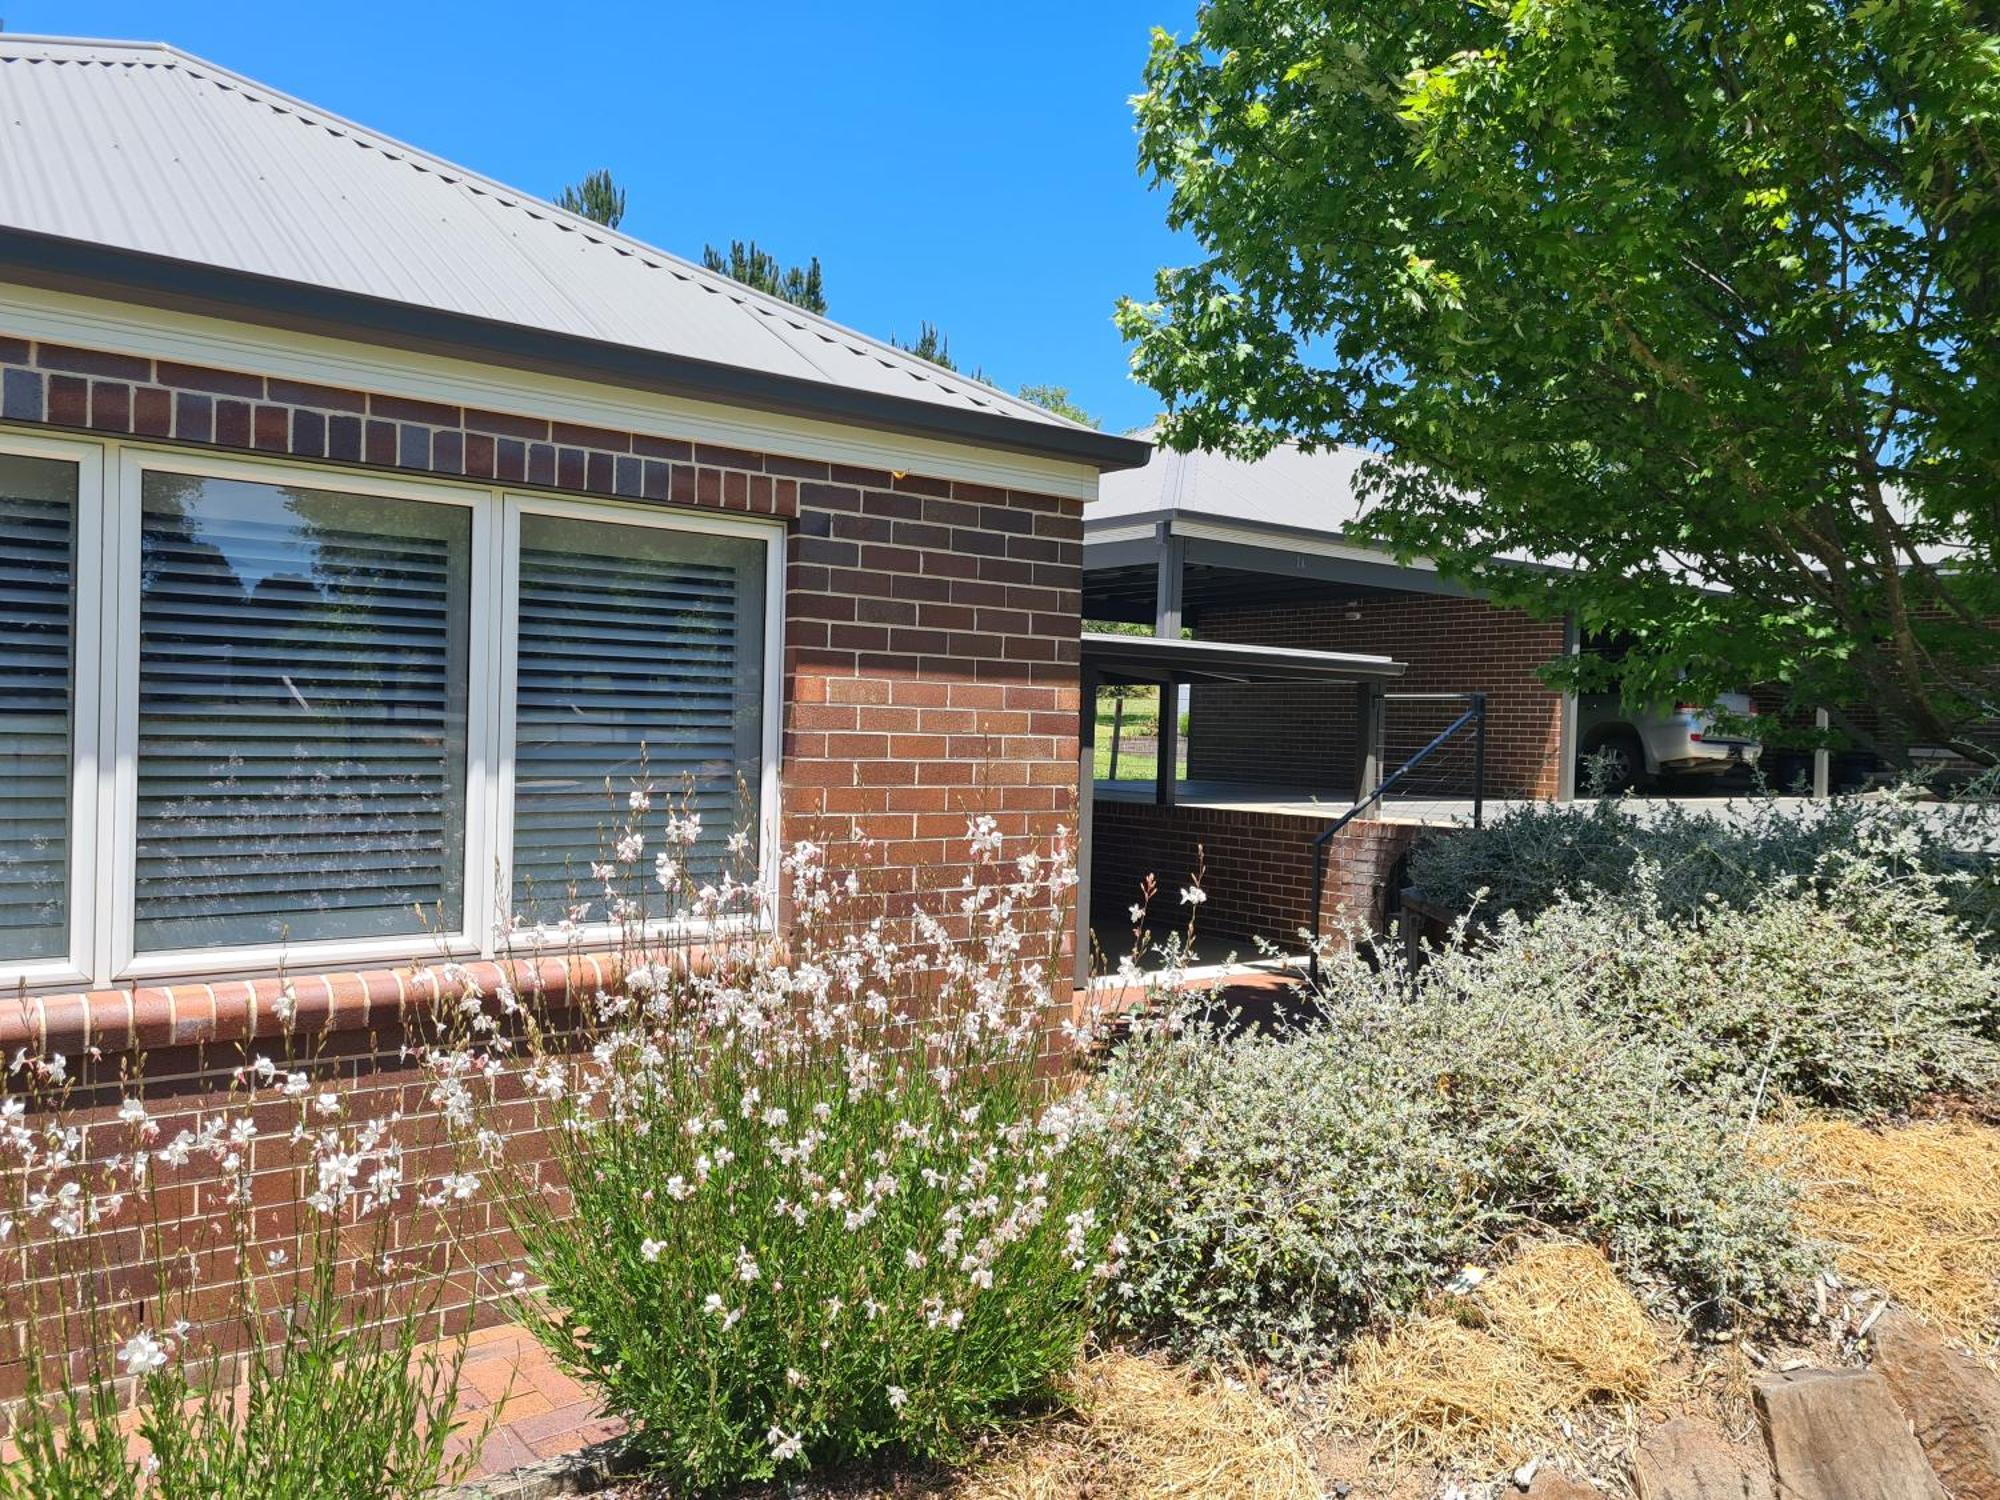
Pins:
x: 541, y: 1411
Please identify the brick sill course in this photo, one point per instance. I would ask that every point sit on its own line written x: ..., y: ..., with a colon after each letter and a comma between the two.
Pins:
x: 197, y: 1014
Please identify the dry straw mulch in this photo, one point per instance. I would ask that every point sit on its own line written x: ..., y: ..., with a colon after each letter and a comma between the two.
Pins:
x: 1142, y: 1429
x: 1483, y: 1379
x: 1913, y: 1209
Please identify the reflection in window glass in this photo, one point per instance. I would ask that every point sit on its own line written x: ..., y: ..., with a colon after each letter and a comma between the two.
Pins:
x: 302, y: 715
x: 37, y: 665
x: 640, y: 662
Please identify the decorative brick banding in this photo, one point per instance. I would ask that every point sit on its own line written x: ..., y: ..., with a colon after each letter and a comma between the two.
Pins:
x: 121, y: 395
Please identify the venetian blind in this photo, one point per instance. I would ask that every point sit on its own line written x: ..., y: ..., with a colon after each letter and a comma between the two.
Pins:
x: 639, y: 664
x: 302, y: 715
x: 38, y: 499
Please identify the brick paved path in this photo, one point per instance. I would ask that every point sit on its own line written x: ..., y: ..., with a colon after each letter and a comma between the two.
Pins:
x: 543, y: 1412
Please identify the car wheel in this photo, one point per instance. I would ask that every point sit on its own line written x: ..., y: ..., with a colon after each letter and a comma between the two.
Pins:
x: 1617, y: 760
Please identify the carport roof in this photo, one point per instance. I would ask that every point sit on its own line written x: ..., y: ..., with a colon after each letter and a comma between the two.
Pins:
x: 1145, y: 658
x: 134, y: 170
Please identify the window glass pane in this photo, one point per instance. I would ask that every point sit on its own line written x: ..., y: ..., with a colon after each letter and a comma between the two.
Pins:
x: 302, y: 714
x: 640, y: 661
x: 37, y: 658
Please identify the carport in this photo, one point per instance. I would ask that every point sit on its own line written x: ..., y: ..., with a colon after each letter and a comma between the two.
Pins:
x: 1169, y: 662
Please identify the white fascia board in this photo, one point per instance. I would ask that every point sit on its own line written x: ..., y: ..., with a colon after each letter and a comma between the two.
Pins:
x: 127, y: 328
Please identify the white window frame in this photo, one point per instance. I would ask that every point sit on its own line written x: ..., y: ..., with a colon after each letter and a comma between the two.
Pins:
x: 86, y: 724
x: 518, y: 504
x: 304, y: 957
x: 103, y: 864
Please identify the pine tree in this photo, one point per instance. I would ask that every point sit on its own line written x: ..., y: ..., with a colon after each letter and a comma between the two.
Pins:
x: 801, y: 286
x: 596, y: 198
x: 1056, y: 398
x: 928, y: 344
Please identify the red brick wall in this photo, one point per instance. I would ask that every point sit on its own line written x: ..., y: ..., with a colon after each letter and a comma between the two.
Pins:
x: 1258, y: 871
x: 1303, y: 737
x: 930, y: 672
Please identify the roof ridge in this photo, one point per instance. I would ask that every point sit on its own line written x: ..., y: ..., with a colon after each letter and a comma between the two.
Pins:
x: 717, y: 283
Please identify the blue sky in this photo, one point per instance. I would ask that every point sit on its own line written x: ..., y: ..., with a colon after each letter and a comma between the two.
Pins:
x: 973, y: 165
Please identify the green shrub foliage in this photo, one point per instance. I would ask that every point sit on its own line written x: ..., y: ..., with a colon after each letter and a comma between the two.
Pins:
x: 818, y: 1197
x: 266, y: 1282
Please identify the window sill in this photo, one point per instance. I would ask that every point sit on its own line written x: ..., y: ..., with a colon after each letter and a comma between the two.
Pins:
x: 194, y: 1014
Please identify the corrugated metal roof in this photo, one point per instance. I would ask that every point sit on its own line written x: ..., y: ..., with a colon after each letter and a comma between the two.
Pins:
x: 141, y: 147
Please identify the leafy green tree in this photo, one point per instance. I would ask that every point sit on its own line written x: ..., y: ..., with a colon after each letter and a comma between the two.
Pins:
x: 802, y: 286
x: 1700, y: 296
x: 1056, y: 398
x: 597, y: 198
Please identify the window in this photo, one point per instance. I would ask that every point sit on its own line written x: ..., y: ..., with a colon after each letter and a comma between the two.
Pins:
x: 349, y: 719
x: 636, y: 663
x: 303, y: 676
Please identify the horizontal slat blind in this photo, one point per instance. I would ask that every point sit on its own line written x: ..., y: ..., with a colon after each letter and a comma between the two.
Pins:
x: 302, y: 715
x: 639, y: 663
x: 37, y: 652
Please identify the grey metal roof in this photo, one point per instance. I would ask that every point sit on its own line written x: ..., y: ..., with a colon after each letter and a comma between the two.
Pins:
x: 1292, y: 497
x: 1286, y: 487
x: 135, y: 163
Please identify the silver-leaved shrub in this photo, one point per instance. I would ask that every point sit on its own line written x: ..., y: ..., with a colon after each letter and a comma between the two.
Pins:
x: 1856, y: 989
x: 1538, y: 854
x: 1283, y: 1192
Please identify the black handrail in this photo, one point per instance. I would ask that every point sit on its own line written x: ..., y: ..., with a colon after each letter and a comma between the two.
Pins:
x: 1474, y: 715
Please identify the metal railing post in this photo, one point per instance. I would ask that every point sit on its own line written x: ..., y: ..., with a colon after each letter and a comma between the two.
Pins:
x: 1369, y: 740
x: 1479, y: 760
x: 1318, y: 890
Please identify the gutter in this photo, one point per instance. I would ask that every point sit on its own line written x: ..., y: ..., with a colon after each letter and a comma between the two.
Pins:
x: 87, y: 268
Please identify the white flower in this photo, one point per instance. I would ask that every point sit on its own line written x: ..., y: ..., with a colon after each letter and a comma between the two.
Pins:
x: 143, y: 1354
x: 516, y: 1280
x: 747, y: 1268
x: 132, y: 1112
x: 784, y: 1446
x: 898, y: 1397
x: 650, y: 1250
x: 1193, y: 895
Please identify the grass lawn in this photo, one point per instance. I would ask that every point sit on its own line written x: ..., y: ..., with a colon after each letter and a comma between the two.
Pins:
x: 1138, y: 730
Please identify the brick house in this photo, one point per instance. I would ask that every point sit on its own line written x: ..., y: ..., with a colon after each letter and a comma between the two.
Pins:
x: 361, y: 517
x: 1257, y: 554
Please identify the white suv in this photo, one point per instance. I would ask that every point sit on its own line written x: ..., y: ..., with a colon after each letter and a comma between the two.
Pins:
x: 1634, y: 748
